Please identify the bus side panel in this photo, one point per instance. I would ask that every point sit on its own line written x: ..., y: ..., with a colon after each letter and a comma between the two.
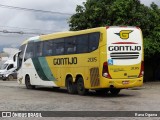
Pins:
x: 83, y: 64
x: 29, y: 68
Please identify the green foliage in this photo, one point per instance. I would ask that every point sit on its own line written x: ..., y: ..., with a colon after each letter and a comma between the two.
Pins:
x: 96, y: 13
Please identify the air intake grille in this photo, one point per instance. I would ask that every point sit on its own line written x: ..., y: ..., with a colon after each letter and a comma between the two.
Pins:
x: 94, y: 75
x: 124, y: 55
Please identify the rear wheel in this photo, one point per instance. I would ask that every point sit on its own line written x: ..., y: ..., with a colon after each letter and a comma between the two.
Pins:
x: 55, y: 88
x: 10, y: 77
x: 28, y: 84
x: 71, y: 87
x: 102, y: 91
x: 115, y: 91
x: 80, y: 87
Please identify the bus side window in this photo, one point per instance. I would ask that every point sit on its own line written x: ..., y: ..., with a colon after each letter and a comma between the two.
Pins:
x: 22, y: 51
x: 93, y: 41
x: 29, y: 51
x: 82, y: 43
x: 38, y: 49
x: 70, y: 45
x: 48, y: 48
x: 59, y: 46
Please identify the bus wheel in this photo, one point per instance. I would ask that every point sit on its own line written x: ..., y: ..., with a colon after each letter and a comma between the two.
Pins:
x: 115, y: 91
x: 71, y: 87
x: 102, y: 91
x: 55, y: 88
x: 28, y: 84
x: 10, y: 77
x: 80, y: 87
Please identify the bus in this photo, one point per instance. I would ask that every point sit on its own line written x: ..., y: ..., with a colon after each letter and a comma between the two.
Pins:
x: 104, y: 59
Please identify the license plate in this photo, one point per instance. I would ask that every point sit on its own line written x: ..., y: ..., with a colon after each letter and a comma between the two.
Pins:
x: 125, y: 82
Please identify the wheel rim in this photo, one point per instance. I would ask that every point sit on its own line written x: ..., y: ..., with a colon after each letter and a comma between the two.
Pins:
x: 10, y: 77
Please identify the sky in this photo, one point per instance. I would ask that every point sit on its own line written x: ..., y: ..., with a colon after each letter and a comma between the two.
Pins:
x: 15, y: 20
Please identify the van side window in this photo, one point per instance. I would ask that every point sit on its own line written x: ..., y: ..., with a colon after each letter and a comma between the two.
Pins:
x: 10, y: 66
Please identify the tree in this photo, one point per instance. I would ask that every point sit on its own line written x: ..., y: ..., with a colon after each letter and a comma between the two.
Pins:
x: 96, y: 13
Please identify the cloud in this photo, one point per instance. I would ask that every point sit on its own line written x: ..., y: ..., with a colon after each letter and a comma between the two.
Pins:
x: 37, y: 22
x: 42, y: 22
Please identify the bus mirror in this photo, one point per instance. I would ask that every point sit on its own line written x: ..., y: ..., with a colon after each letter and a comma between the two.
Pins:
x: 15, y: 55
x: 14, y: 58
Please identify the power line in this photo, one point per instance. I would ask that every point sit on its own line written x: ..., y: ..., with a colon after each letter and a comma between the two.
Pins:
x: 35, y: 10
x: 28, y: 28
x: 24, y: 35
x: 19, y: 32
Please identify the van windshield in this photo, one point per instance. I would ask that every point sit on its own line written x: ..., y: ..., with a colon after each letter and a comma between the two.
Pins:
x: 4, y: 66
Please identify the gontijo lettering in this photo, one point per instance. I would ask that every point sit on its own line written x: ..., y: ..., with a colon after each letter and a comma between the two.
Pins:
x: 65, y: 61
x: 124, y: 48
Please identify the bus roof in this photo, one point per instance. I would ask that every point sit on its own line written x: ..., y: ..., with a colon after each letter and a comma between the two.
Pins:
x: 62, y: 34
x: 70, y: 33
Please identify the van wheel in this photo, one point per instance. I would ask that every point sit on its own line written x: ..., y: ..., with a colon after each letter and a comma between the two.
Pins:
x: 80, y: 87
x: 71, y: 87
x: 28, y: 84
x: 115, y: 91
x: 4, y: 79
x: 10, y: 77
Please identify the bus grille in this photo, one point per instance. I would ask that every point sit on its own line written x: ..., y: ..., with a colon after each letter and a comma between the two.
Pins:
x: 94, y: 75
x: 124, y: 55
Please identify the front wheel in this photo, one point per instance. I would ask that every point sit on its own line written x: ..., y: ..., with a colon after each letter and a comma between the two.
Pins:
x: 10, y: 77
x: 115, y: 91
x: 80, y: 87
x: 28, y: 84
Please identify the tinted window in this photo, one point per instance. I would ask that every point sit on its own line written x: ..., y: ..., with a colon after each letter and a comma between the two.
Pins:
x: 22, y: 48
x: 10, y: 66
x: 59, y: 46
x: 29, y: 51
x: 82, y: 43
x: 93, y: 41
x: 38, y: 49
x: 70, y: 45
x: 48, y: 48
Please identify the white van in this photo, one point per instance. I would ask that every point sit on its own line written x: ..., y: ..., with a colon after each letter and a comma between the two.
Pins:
x: 8, y: 70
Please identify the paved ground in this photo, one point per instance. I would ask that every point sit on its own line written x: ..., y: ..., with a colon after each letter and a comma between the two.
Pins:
x: 14, y: 97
